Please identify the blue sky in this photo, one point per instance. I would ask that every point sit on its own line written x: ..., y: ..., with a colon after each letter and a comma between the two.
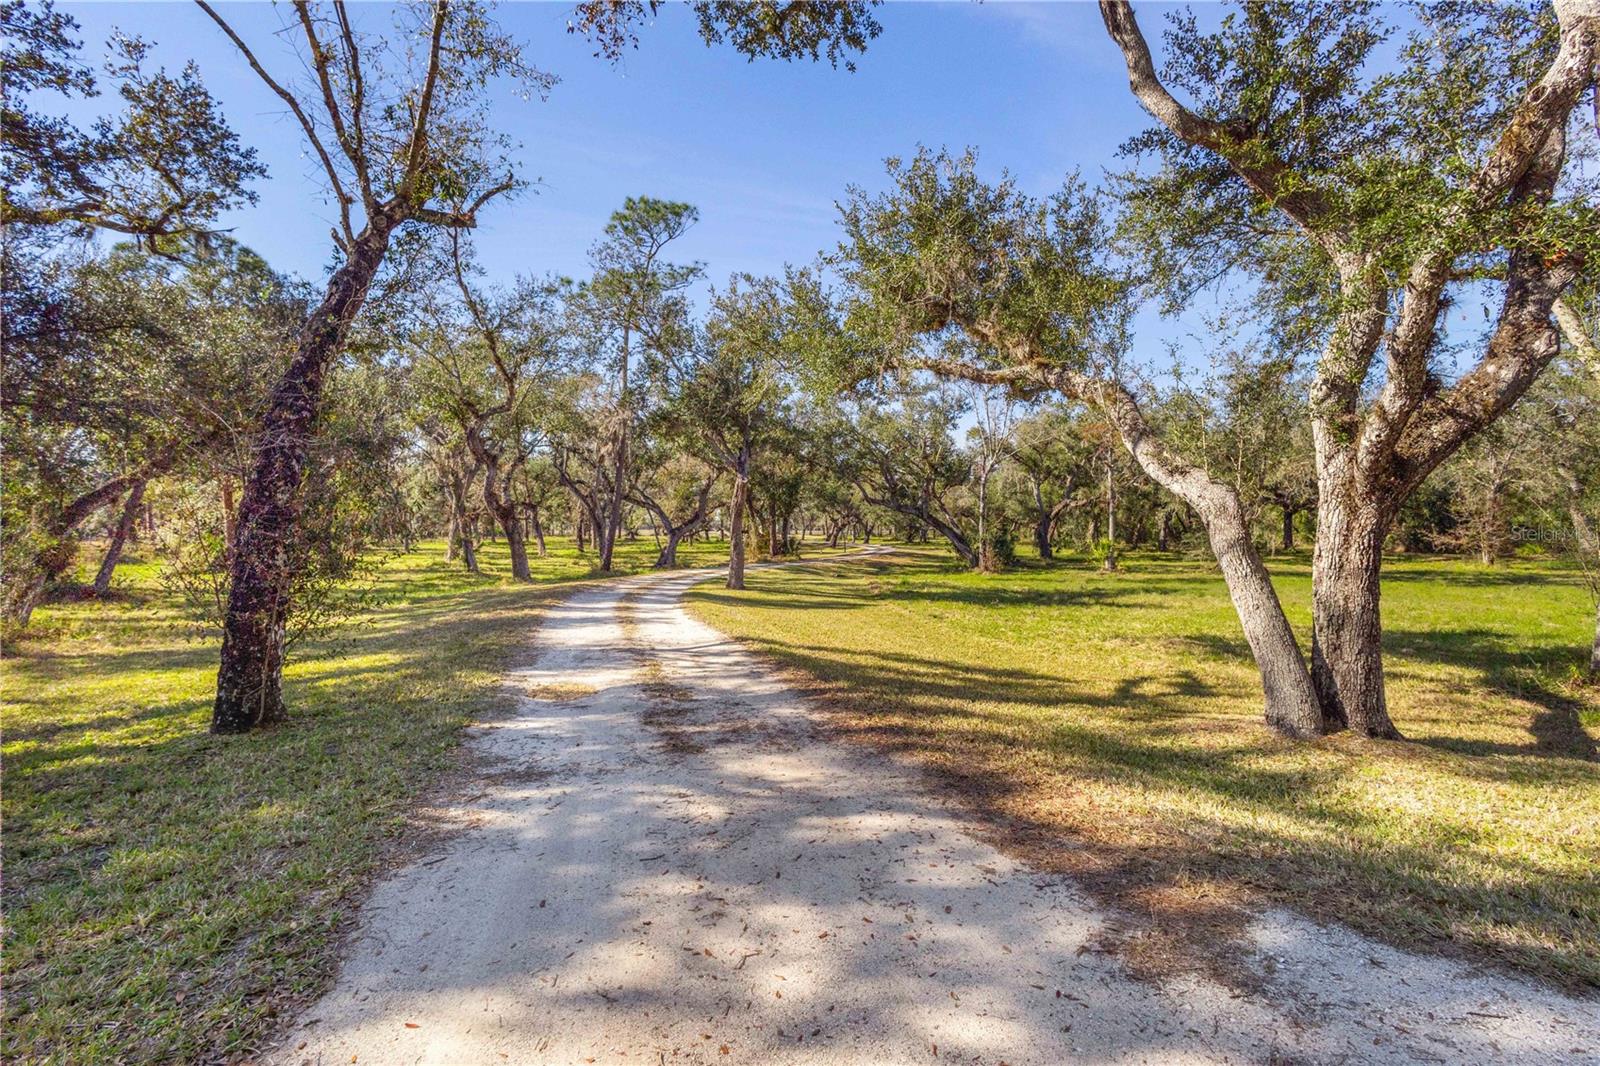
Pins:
x: 764, y: 149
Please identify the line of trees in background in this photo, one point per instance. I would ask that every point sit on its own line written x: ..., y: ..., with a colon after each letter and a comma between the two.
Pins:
x: 959, y: 370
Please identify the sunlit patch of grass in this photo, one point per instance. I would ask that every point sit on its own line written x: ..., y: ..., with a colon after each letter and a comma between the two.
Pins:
x: 560, y: 693
x: 1111, y: 725
x: 169, y: 892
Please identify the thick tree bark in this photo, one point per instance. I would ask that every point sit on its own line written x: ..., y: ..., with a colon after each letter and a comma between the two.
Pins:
x: 497, y: 499
x: 506, y: 517
x: 957, y: 539
x: 119, y: 537
x: 1346, y: 633
x: 469, y: 546
x: 741, y: 497
x: 250, y: 678
x: 538, y: 531
x: 667, y: 556
x: 1291, y: 703
x: 1048, y: 516
x: 463, y: 541
x: 1042, y: 539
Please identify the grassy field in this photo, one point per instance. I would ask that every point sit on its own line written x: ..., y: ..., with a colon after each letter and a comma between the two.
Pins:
x: 168, y: 892
x: 1109, y: 727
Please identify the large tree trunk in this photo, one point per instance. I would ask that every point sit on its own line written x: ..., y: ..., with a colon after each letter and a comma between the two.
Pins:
x: 1044, y: 529
x: 497, y: 500
x: 250, y: 678
x: 667, y: 557
x: 741, y: 498
x: 462, y: 539
x: 500, y: 507
x: 507, y: 519
x: 741, y: 493
x: 1346, y: 634
x: 1042, y: 538
x: 538, y: 531
x: 119, y: 537
x: 1288, y: 528
x: 1292, y: 706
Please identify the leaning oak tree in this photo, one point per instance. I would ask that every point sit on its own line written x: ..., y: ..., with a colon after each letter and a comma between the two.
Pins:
x: 410, y: 144
x: 408, y: 134
x: 981, y: 282
x: 1388, y: 195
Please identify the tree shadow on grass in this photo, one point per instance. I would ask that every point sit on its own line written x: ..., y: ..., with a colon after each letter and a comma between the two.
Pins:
x: 917, y: 579
x: 896, y: 676
x: 1556, y: 729
x: 1479, y: 577
x: 1186, y: 890
x: 130, y: 825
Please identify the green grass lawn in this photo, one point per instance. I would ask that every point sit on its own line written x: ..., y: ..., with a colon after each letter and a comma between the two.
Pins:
x: 1110, y: 727
x: 168, y: 892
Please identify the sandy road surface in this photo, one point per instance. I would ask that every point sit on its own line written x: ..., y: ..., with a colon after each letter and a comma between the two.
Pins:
x: 666, y: 866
